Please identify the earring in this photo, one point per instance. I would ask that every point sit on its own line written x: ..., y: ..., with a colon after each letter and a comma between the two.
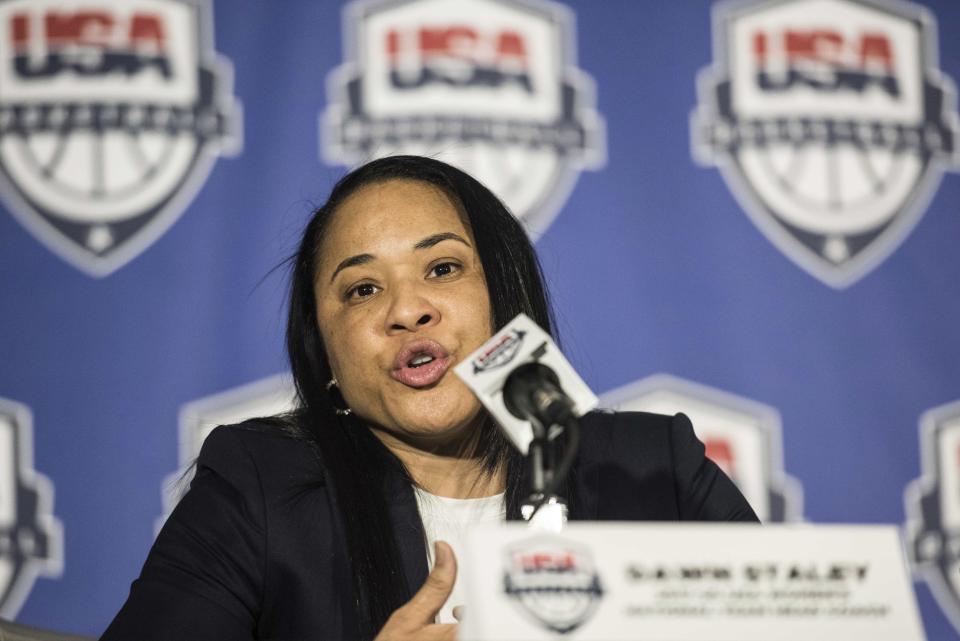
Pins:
x: 341, y: 411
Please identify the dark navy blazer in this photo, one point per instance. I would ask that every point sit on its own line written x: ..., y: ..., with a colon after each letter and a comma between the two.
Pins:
x: 254, y: 549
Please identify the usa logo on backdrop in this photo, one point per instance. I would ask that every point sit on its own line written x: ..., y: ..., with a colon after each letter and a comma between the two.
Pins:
x: 832, y: 124
x: 742, y: 436
x: 112, y: 113
x: 933, y: 509
x: 31, y: 537
x: 491, y: 86
x: 265, y: 397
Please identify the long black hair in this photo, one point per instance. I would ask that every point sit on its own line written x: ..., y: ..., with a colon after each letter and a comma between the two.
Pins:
x: 354, y: 461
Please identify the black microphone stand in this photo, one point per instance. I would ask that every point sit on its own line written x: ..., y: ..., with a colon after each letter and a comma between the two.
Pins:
x: 533, y: 393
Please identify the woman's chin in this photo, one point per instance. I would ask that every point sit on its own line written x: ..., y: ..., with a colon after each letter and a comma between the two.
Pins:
x: 435, y: 422
x: 437, y: 428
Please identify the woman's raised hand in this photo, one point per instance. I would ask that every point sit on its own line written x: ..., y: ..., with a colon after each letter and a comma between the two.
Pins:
x: 414, y: 620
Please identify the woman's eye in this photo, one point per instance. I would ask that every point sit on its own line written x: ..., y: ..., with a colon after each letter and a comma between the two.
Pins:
x: 444, y: 269
x: 362, y: 291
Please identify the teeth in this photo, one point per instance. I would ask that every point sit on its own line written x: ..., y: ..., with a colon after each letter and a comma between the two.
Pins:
x: 421, y: 360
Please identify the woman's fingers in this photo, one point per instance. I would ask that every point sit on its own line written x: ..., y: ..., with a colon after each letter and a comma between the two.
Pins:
x: 415, y: 619
x: 425, y: 604
x: 458, y: 613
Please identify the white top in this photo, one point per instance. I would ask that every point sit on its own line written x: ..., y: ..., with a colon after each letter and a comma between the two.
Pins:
x: 446, y: 519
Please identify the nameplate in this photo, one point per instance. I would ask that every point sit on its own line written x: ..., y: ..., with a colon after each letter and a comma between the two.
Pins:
x: 688, y: 582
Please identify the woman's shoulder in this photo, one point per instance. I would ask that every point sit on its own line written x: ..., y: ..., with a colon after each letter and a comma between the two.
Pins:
x: 638, y: 438
x: 610, y: 420
x: 607, y: 427
x: 269, y: 450
x: 663, y: 453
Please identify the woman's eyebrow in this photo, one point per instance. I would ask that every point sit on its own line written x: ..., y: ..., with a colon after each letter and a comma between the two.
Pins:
x: 353, y: 261
x: 432, y: 240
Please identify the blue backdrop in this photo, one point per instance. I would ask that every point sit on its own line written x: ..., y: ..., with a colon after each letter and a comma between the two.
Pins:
x: 666, y: 250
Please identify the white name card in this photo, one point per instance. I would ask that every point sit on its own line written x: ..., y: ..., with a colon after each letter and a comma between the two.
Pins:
x: 688, y: 582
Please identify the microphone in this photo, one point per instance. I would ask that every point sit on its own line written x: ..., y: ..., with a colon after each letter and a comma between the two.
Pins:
x: 525, y: 382
x: 530, y: 389
x: 533, y: 391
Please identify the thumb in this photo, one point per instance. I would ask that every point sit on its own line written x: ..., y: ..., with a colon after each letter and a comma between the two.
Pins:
x: 425, y: 604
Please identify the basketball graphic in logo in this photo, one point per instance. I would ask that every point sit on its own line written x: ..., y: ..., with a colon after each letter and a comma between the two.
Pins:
x: 831, y: 122
x: 742, y: 436
x: 31, y: 537
x: 112, y: 113
x: 933, y: 509
x: 490, y: 86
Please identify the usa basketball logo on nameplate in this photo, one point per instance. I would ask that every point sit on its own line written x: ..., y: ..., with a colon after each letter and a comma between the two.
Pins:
x: 490, y: 86
x: 112, y: 113
x: 831, y: 122
x: 31, y: 537
x: 932, y: 504
x: 553, y: 581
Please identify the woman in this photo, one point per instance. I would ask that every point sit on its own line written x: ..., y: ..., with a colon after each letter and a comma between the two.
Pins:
x: 316, y: 525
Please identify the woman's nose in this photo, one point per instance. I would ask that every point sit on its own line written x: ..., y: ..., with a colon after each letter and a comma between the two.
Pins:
x: 410, y: 310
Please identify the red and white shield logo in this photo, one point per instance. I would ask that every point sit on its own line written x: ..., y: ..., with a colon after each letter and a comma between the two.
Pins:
x: 112, y: 113
x: 832, y: 124
x: 490, y: 86
x: 553, y: 581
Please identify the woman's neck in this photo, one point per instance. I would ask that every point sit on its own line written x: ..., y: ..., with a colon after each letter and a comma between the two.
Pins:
x: 445, y: 470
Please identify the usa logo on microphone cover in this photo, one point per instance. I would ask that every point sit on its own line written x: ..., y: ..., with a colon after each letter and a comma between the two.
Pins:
x: 112, y: 113
x: 490, y: 86
x: 831, y: 122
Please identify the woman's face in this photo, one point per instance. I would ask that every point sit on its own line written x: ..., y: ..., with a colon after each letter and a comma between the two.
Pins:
x: 401, y: 298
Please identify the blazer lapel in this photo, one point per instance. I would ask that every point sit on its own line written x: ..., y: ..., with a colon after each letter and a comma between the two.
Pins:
x: 408, y: 528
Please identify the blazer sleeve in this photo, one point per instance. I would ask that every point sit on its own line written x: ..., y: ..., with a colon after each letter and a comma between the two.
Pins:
x: 203, y: 577
x: 704, y: 492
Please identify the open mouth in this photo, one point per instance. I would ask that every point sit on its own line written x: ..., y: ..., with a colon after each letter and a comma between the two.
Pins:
x: 421, y: 359
x: 421, y: 363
